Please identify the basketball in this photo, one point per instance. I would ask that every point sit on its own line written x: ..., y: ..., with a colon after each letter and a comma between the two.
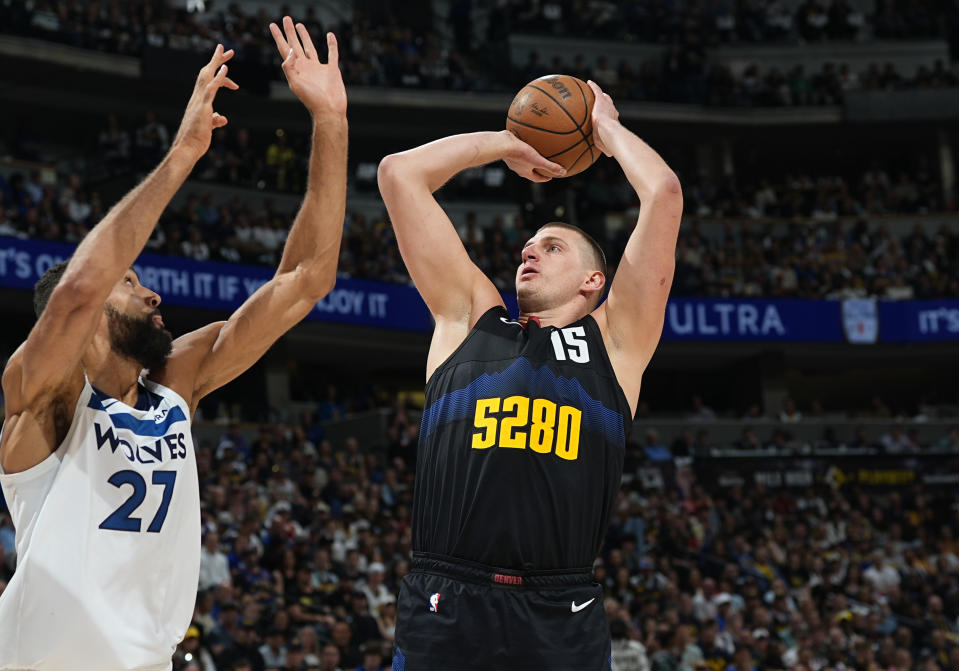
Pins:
x: 553, y: 114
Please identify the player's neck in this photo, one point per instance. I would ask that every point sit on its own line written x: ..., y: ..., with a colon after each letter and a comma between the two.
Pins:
x: 558, y: 317
x: 111, y: 373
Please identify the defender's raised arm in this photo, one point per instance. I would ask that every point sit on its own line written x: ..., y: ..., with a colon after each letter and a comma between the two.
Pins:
x: 44, y: 374
x: 212, y: 356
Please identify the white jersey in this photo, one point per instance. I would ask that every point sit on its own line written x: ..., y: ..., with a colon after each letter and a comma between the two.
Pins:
x: 108, y: 540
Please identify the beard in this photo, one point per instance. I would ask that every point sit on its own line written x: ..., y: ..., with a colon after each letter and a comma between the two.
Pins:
x: 138, y: 338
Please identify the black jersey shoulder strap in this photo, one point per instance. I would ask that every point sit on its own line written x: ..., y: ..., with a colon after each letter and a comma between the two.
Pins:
x: 495, y: 319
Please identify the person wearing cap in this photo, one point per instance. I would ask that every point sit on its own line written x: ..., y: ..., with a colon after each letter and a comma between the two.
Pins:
x: 192, y: 649
x: 376, y: 592
x: 760, y: 637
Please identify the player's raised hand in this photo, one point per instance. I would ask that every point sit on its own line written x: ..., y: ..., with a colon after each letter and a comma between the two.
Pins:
x: 603, y: 110
x: 527, y: 162
x: 199, y: 120
x: 319, y: 86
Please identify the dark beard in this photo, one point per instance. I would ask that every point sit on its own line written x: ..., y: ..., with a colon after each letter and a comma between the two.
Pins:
x: 138, y: 338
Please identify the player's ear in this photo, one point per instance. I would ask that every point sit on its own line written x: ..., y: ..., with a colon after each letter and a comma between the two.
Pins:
x: 595, y: 281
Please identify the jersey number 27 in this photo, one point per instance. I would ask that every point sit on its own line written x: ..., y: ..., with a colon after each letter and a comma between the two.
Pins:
x: 120, y: 519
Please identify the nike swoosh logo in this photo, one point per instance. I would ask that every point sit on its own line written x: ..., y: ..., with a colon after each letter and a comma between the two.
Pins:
x: 573, y: 607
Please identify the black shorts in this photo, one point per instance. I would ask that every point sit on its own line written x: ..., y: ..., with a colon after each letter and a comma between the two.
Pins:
x: 457, y: 616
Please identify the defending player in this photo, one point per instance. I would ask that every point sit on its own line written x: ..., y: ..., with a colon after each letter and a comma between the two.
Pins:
x: 97, y: 458
x: 522, y: 439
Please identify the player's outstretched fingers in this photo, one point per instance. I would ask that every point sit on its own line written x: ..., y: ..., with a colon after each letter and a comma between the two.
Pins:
x: 307, y: 41
x: 291, y: 38
x: 334, y: 50
x: 220, y: 80
x: 281, y: 44
x: 219, y: 121
x: 226, y: 81
x: 215, y: 59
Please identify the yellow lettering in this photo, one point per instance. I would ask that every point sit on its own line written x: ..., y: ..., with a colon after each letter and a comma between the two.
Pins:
x: 541, y: 430
x: 507, y: 436
x: 567, y: 434
x: 542, y: 422
x: 482, y: 421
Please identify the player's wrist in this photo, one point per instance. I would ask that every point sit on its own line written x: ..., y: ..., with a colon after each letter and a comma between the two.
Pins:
x: 508, y: 143
x: 184, y: 154
x: 330, y: 123
x: 607, y: 127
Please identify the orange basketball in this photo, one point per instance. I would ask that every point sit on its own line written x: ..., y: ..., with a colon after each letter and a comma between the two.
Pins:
x: 553, y: 114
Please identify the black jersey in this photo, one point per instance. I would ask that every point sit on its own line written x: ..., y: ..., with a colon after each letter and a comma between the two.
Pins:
x: 521, y: 447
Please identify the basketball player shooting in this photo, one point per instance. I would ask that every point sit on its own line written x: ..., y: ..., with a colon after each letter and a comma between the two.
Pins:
x: 97, y: 458
x: 522, y: 439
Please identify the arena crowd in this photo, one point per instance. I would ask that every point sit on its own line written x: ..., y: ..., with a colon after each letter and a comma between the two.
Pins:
x: 305, y: 542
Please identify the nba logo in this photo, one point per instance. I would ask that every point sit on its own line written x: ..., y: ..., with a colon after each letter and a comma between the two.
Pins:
x: 435, y: 602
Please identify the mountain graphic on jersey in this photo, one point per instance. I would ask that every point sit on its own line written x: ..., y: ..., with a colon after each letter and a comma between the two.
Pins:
x: 522, y: 441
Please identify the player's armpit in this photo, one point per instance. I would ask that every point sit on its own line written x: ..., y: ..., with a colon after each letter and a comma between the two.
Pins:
x: 35, y: 427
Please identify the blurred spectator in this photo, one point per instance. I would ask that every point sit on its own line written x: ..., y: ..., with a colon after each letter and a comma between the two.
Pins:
x: 372, y: 658
x: 881, y: 576
x: 330, y: 658
x: 273, y: 650
x: 373, y: 588
x: 789, y: 414
x: 214, y: 567
x: 700, y: 411
x: 113, y: 143
x: 280, y: 163
x: 627, y: 654
x: 151, y: 141
x: 895, y: 442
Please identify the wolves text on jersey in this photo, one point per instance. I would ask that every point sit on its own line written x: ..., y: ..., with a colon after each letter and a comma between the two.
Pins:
x: 165, y: 448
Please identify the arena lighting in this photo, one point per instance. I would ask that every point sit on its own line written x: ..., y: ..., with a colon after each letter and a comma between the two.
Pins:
x: 188, y: 657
